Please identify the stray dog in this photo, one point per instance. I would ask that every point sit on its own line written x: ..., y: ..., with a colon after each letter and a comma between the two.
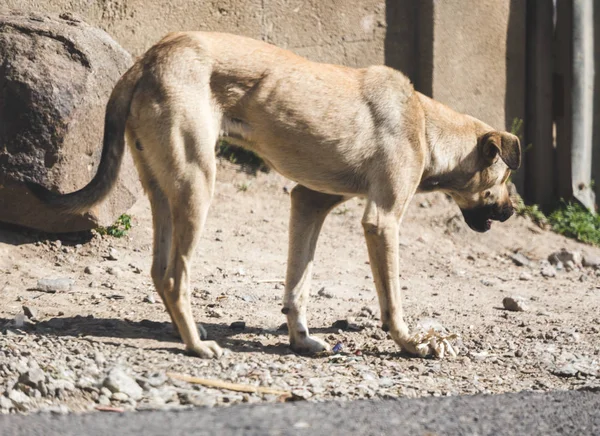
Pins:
x: 338, y: 132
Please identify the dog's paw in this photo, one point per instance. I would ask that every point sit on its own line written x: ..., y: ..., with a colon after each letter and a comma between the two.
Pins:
x: 206, y: 350
x: 431, y: 343
x: 310, y: 346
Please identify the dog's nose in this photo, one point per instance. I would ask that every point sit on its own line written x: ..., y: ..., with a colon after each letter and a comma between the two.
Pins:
x: 505, y: 212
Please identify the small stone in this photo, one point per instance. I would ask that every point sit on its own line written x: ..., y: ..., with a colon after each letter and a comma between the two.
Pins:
x: 324, y: 293
x: 569, y: 266
x: 113, y: 254
x: 341, y: 324
x: 103, y: 400
x: 92, y: 270
x: 5, y: 403
x: 60, y: 409
x: 591, y: 261
x: 566, y: 370
x: 212, y: 313
x: 55, y: 285
x: 248, y: 298
x: 114, y: 271
x: 386, y: 382
x: 99, y: 358
x: 30, y: 312
x: 119, y: 396
x: 150, y: 298
x: 564, y: 256
x: 283, y: 327
x: 157, y: 380
x: 33, y: 377
x: 548, y: 272
x: 519, y: 353
x: 238, y: 325
x: 118, y: 380
x: 198, y: 400
x: 520, y: 259
x: 525, y: 276
x: 18, y: 397
x: 514, y: 304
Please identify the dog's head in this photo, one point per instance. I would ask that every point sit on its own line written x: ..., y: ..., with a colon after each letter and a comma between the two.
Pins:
x: 484, y: 196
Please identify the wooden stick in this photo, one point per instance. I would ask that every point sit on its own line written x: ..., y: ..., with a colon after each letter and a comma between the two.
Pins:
x: 219, y: 384
x: 271, y: 281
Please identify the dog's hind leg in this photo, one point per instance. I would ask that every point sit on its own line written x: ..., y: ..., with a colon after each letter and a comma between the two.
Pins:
x: 190, y: 190
x: 309, y: 210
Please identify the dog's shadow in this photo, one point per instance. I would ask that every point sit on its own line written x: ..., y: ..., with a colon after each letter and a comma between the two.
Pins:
x: 236, y: 340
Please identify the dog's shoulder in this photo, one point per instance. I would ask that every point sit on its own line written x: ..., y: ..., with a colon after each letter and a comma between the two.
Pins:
x: 388, y: 93
x: 380, y: 82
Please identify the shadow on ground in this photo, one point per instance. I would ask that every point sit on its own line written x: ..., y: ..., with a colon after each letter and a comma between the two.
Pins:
x: 88, y: 326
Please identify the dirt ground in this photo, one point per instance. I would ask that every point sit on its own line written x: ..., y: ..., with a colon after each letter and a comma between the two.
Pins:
x: 109, y: 320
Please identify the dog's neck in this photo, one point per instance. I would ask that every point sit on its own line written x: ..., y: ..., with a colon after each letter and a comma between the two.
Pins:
x: 449, y: 155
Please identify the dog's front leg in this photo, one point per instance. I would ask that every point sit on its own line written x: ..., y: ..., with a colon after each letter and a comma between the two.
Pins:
x: 309, y: 209
x: 381, y: 227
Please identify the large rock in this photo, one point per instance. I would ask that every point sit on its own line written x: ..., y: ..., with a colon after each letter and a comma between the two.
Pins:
x: 56, y: 75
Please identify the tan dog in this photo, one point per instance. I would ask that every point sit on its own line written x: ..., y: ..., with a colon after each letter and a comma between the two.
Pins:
x: 339, y: 132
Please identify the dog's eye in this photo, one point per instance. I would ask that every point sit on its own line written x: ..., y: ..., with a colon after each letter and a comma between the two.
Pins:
x: 487, y: 194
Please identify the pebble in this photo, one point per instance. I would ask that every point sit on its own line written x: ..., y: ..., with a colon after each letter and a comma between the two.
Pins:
x: 92, y: 270
x: 30, y: 312
x: 33, y: 377
x: 5, y: 403
x: 324, y: 293
x: 514, y: 304
x: 103, y: 400
x: 18, y: 397
x: 591, y: 261
x: 525, y: 276
x: 341, y: 324
x: 150, y: 298
x: 566, y: 370
x: 548, y: 272
x: 113, y: 254
x: 118, y: 380
x: 55, y: 285
x: 99, y: 358
x: 520, y: 259
x: 120, y: 396
x: 238, y: 325
x: 563, y: 256
x: 114, y: 271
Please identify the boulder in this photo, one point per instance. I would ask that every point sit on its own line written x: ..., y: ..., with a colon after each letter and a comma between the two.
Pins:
x: 56, y: 75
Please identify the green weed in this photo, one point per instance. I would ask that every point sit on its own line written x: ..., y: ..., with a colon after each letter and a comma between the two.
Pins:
x: 575, y: 221
x: 118, y: 229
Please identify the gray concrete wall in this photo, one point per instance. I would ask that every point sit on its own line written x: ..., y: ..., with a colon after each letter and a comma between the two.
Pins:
x: 340, y: 31
x: 478, y: 58
x: 468, y: 54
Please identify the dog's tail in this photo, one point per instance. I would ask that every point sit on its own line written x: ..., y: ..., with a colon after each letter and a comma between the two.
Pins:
x: 117, y: 112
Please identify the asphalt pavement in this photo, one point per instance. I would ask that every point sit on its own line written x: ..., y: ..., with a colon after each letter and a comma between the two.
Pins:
x: 525, y: 413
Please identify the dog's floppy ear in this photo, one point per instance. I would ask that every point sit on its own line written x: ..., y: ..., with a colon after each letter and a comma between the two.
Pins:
x: 504, y: 144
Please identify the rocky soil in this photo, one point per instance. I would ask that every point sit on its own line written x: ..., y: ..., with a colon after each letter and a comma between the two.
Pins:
x: 81, y: 328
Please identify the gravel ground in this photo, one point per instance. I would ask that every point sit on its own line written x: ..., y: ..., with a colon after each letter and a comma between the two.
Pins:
x: 81, y: 328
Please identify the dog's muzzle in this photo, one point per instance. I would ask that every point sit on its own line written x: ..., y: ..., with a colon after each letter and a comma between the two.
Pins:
x: 480, y: 218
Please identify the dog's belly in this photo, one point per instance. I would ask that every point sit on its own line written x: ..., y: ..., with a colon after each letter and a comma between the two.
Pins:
x: 332, y: 167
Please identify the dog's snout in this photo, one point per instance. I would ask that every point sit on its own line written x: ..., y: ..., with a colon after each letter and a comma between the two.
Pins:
x: 503, y: 212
